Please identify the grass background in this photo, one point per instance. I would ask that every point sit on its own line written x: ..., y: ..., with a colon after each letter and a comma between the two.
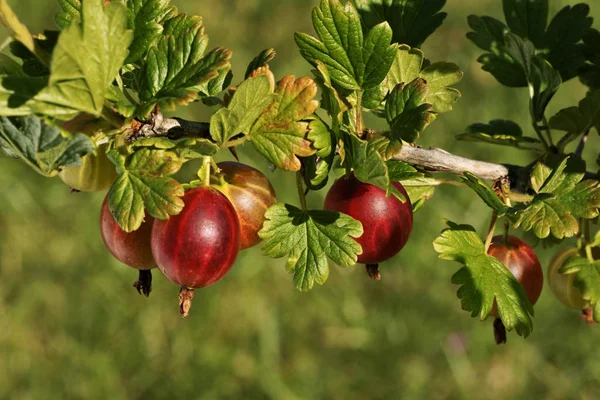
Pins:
x: 71, y: 326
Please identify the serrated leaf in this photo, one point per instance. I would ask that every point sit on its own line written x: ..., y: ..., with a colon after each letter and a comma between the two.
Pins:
x: 246, y: 105
x: 561, y: 199
x: 355, y: 62
x: 144, y: 182
x: 412, y: 21
x: 369, y: 166
x: 146, y: 18
x: 41, y: 146
x: 577, y: 120
x: 587, y: 280
x: 563, y: 36
x: 33, y: 64
x: 589, y: 73
x: 280, y: 134
x: 418, y: 186
x: 484, y: 279
x: 308, y: 239
x: 486, y: 193
x: 71, y: 11
x: 527, y: 18
x: 88, y: 56
x: 498, y: 131
x: 185, y: 149
x: 439, y: 76
x: 559, y: 44
x: 331, y: 100
x: 177, y: 65
x: 18, y: 31
x: 407, y: 112
x: 260, y: 61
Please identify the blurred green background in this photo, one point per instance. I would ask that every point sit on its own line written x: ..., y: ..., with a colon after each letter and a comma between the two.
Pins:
x: 71, y: 326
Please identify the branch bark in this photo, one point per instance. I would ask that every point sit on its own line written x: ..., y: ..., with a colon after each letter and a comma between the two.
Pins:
x: 433, y: 160
x: 438, y: 160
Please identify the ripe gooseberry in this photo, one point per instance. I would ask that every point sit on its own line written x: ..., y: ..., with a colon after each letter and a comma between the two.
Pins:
x: 131, y: 248
x: 250, y: 193
x: 387, y: 221
x: 198, y: 246
x: 521, y: 261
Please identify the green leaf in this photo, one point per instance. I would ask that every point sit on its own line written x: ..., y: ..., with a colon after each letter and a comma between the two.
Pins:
x: 177, y: 65
x: 260, y: 61
x: 331, y: 101
x: 484, y: 279
x: 247, y: 104
x: 488, y: 33
x: 354, y: 62
x: 399, y: 171
x: 315, y: 168
x: 280, y: 133
x: 563, y: 36
x: 24, y: 95
x: 587, y: 280
x: 527, y: 18
x: 18, y: 31
x: 34, y: 65
x: 308, y: 239
x: 439, y: 76
x: 545, y: 81
x: 407, y: 112
x: 186, y: 149
x: 88, y: 56
x: 71, y: 11
x: 589, y: 73
x: 146, y: 18
x: 559, y: 44
x: 578, y: 120
x: 412, y: 21
x: 144, y: 182
x: 41, y: 146
x: 560, y: 200
x: 486, y: 193
x: 369, y: 166
x: 499, y: 131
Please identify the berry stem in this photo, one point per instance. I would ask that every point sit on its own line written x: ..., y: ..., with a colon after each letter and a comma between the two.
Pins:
x: 206, y: 163
x: 185, y: 301
x: 490, y: 235
x: 499, y: 331
x: 144, y: 283
x: 300, y: 187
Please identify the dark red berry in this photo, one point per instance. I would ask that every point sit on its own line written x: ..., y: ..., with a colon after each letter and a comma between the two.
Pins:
x: 131, y: 248
x: 522, y: 262
x: 387, y: 221
x: 197, y: 247
x: 251, y: 194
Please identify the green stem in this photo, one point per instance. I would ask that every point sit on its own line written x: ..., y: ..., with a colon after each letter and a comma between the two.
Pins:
x: 541, y: 137
x: 237, y: 142
x: 546, y: 128
x: 358, y: 112
x: 116, y: 120
x: 300, y: 187
x: 490, y: 235
x: 206, y: 162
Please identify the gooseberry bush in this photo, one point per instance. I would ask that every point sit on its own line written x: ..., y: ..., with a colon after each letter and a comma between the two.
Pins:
x: 84, y: 102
